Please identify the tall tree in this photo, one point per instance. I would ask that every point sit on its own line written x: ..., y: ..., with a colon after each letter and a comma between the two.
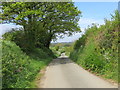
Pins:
x: 43, y: 21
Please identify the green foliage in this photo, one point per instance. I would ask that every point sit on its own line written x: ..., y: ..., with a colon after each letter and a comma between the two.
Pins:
x: 97, y: 50
x: 80, y: 43
x: 59, y: 48
x: 19, y: 37
x: 42, y: 21
x: 19, y: 69
x: 56, y: 53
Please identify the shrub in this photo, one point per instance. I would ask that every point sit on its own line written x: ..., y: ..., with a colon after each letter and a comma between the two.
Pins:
x: 18, y: 68
x: 97, y: 50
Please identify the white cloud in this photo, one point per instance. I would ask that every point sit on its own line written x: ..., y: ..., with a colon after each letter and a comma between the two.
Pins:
x: 72, y: 38
x: 84, y: 22
x: 7, y: 27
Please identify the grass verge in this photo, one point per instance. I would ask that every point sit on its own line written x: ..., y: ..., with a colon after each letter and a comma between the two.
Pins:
x: 20, y: 69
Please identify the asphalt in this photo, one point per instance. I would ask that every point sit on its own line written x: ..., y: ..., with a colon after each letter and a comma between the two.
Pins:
x: 63, y: 73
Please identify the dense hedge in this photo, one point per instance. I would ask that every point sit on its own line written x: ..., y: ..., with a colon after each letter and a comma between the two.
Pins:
x: 97, y: 50
x: 20, y: 69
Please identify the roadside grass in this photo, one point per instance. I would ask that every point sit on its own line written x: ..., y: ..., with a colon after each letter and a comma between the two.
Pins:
x: 19, y: 69
x: 37, y: 81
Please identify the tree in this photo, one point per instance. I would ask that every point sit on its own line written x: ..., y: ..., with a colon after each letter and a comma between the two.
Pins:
x: 42, y: 21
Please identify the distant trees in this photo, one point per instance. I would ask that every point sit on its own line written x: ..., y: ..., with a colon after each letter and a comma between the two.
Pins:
x: 42, y: 21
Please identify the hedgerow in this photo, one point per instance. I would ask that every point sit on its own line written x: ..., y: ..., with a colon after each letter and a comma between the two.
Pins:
x: 18, y: 68
x: 97, y: 49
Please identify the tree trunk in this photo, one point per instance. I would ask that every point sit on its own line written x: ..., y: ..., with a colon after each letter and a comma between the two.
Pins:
x: 48, y: 41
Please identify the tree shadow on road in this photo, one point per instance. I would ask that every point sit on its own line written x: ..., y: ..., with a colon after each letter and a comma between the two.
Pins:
x: 60, y: 60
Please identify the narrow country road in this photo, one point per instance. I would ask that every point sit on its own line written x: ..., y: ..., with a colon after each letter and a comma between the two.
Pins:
x: 63, y: 73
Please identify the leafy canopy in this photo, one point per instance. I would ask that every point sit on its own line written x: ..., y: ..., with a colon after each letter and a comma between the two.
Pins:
x: 43, y: 21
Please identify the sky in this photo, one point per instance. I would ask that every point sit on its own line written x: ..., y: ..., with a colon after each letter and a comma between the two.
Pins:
x: 92, y: 12
x: 7, y: 27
